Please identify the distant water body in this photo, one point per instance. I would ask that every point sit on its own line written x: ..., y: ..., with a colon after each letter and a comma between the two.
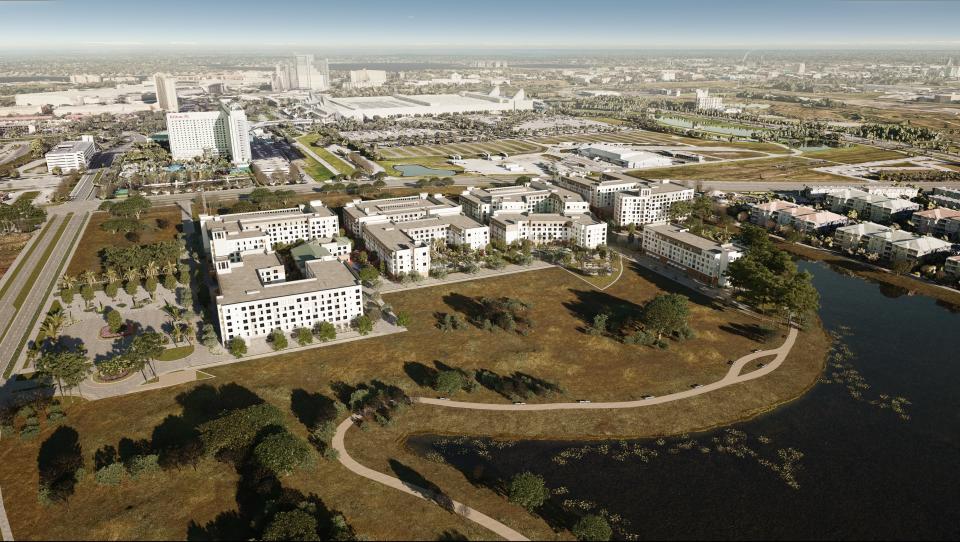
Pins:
x: 866, y: 473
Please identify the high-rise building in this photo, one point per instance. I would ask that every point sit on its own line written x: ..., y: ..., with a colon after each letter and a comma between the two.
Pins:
x: 367, y: 78
x: 224, y: 132
x: 706, y: 102
x: 167, y: 92
x: 302, y: 70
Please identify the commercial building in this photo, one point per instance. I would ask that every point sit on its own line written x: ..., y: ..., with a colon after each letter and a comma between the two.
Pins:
x: 302, y: 74
x: 400, y: 105
x: 254, y: 293
x: 533, y: 197
x: 71, y: 155
x: 579, y: 229
x: 166, y: 92
x: 704, y: 259
x: 224, y: 132
x: 622, y: 156
x: 365, y: 78
x: 649, y: 202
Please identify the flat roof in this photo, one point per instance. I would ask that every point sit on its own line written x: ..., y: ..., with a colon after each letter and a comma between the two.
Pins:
x: 70, y: 147
x: 243, y: 284
x: 682, y: 235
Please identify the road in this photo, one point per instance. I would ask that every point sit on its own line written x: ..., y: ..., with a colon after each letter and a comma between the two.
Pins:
x: 734, y: 376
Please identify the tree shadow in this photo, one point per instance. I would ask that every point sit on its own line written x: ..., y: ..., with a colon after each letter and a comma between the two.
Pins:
x: 57, y: 462
x: 754, y: 332
x: 669, y: 285
x: 590, y: 303
x: 516, y: 386
x: 420, y: 485
x: 312, y: 409
x: 467, y: 306
x: 451, y: 536
x: 421, y: 374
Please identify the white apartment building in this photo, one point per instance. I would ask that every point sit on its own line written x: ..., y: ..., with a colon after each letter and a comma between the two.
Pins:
x: 855, y: 236
x: 952, y: 266
x: 704, y: 259
x: 229, y: 236
x: 599, y: 193
x: 357, y: 213
x: 224, y: 132
x: 532, y: 197
x: 254, y: 296
x: 405, y: 247
x: 166, y: 92
x: 874, y: 207
x: 650, y: 202
x: 706, y: 102
x: 580, y: 229
x: 939, y: 221
x: 71, y: 155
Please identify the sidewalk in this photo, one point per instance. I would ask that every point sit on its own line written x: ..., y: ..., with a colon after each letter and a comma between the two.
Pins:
x: 387, y: 287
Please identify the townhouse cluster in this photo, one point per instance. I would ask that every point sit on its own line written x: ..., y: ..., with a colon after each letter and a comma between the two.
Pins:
x: 802, y: 218
x: 889, y: 244
x: 256, y: 292
x: 875, y: 207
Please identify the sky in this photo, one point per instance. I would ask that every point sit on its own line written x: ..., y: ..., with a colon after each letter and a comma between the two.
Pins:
x: 438, y: 26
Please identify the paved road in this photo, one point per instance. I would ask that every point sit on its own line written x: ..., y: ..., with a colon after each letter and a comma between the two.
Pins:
x: 442, y: 500
x: 734, y: 376
x: 21, y: 323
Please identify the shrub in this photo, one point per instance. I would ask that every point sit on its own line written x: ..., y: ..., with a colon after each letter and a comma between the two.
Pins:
x: 114, y: 320
x: 403, y: 319
x: 143, y: 464
x: 449, y: 381
x: 592, y: 527
x: 169, y: 282
x: 237, y: 346
x: 29, y: 432
x: 325, y: 331
x: 111, y: 289
x: 66, y: 294
x: 304, y: 336
x: 27, y: 411
x: 528, y: 490
x: 282, y: 453
x: 278, y: 340
x: 111, y: 475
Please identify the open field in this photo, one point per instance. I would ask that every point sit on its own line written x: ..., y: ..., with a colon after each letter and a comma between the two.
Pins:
x: 791, y: 168
x: 434, y: 162
x: 630, y: 137
x: 96, y: 238
x: 509, y: 146
x: 557, y: 350
x: 11, y: 244
x: 855, y: 154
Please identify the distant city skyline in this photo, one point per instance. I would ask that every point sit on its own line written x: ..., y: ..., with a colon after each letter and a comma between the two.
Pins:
x: 422, y: 25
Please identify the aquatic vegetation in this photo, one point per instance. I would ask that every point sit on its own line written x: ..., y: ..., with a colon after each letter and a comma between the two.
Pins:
x: 621, y: 452
x: 843, y: 372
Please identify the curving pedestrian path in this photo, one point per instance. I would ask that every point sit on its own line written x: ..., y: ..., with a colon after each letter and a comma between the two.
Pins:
x: 732, y: 377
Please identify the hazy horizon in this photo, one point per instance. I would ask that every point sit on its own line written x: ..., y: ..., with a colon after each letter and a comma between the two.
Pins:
x: 421, y: 26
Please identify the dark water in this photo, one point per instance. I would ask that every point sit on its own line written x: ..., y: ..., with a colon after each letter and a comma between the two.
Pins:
x: 866, y: 471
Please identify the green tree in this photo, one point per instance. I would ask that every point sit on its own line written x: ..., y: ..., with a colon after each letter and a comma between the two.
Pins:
x: 87, y: 293
x: 68, y: 368
x: 666, y: 314
x: 237, y: 346
x: 114, y: 320
x: 278, y: 339
x: 294, y: 524
x: 449, y: 381
x: 599, y: 326
x: 325, y: 331
x: 238, y: 429
x: 282, y: 453
x: 131, y: 287
x: 150, y: 285
x: 304, y: 336
x: 208, y: 336
x: 369, y: 274
x: 528, y: 490
x: 66, y: 294
x: 592, y: 528
x: 146, y: 348
x: 169, y: 282
x: 111, y: 289
x: 362, y: 324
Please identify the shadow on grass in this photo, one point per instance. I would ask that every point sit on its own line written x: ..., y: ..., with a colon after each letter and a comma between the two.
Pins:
x: 312, y: 409
x: 423, y: 487
x: 57, y: 462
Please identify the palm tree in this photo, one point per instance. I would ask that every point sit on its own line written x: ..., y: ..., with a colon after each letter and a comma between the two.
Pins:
x: 110, y: 276
x: 67, y: 282
x: 170, y: 268
x: 89, y: 278
x: 151, y: 270
x: 131, y: 275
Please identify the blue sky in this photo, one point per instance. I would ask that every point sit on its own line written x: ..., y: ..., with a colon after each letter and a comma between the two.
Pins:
x: 435, y: 26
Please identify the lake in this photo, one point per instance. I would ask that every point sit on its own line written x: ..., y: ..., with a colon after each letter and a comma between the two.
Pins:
x: 416, y: 170
x: 866, y: 471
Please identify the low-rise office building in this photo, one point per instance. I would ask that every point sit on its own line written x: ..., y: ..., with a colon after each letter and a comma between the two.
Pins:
x: 579, y: 229
x: 71, y: 155
x: 704, y: 259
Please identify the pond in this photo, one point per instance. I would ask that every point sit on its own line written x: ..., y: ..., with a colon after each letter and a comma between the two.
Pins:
x: 416, y: 170
x: 849, y: 459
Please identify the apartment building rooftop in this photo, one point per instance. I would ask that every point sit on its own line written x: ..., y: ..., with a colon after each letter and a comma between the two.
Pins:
x: 241, y: 223
x: 939, y: 213
x: 864, y: 228
x: 680, y: 234
x: 394, y: 206
x: 581, y: 218
x: 243, y: 284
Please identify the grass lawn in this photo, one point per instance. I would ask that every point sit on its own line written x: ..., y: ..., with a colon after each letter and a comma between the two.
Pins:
x: 28, y: 196
x: 339, y: 163
x: 466, y: 150
x: 315, y: 169
x: 774, y: 169
x: 855, y: 154
x: 175, y: 353
x: 557, y: 350
x: 96, y: 238
x: 435, y: 162
x: 11, y: 245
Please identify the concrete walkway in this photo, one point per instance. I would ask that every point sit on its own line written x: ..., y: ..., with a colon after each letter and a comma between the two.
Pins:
x: 387, y: 287
x: 443, y: 501
x: 316, y: 157
x: 732, y: 377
